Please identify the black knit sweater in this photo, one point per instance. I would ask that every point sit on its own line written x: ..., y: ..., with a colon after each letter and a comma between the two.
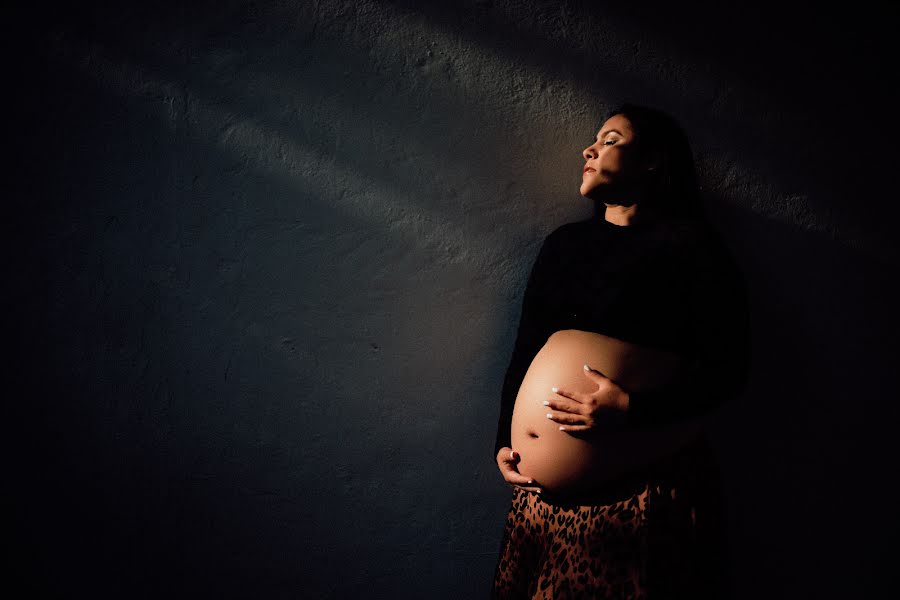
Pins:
x: 670, y: 284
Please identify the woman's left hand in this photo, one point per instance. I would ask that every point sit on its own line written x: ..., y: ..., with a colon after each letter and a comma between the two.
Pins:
x: 601, y: 410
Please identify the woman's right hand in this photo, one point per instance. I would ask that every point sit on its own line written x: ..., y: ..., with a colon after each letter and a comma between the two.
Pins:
x: 507, y: 459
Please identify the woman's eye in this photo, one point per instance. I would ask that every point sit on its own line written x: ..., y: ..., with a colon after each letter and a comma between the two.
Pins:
x: 609, y: 142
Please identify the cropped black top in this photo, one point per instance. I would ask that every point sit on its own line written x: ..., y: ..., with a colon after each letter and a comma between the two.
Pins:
x: 670, y: 284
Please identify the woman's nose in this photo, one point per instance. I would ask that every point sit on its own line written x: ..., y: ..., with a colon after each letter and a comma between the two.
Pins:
x: 589, y: 153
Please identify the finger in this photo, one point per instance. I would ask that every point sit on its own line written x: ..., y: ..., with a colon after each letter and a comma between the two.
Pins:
x: 594, y: 374
x: 533, y: 486
x: 565, y: 405
x: 598, y: 426
x: 508, y: 455
x: 570, y: 395
x: 512, y: 475
x: 567, y: 417
x: 516, y: 479
x: 528, y: 488
x: 575, y: 428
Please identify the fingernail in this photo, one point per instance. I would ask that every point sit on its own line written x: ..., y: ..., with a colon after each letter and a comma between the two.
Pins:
x: 531, y: 481
x: 546, y: 403
x: 561, y: 428
x: 586, y: 368
x: 511, y: 454
x: 549, y: 415
x: 539, y: 490
x: 554, y: 389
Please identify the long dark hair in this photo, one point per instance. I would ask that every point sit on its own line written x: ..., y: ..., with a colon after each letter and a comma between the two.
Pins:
x: 674, y: 189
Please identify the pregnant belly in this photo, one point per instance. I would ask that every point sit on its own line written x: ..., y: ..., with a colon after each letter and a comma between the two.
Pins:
x: 572, y: 462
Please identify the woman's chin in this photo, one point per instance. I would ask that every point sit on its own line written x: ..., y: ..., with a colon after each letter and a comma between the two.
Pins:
x: 593, y: 191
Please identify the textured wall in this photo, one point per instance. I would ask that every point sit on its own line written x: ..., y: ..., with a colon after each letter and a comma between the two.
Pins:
x: 268, y: 259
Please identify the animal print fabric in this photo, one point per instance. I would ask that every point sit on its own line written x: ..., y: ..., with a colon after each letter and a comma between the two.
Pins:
x: 657, y: 534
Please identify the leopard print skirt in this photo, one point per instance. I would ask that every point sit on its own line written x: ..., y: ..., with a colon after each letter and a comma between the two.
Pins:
x: 657, y: 533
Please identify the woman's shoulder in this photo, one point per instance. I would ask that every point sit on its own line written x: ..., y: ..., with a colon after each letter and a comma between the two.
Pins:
x: 572, y: 227
x: 567, y: 231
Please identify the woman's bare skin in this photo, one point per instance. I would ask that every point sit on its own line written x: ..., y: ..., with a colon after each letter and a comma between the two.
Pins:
x: 572, y: 461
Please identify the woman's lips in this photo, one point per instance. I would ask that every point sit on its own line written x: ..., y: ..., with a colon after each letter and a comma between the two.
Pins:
x: 589, y: 170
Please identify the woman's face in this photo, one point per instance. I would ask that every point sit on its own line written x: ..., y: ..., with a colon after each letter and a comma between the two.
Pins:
x: 612, y: 162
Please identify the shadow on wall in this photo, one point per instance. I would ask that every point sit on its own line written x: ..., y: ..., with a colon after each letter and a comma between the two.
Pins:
x: 768, y: 87
x: 813, y: 435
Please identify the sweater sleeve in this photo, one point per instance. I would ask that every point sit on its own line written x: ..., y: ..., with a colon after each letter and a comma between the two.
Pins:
x: 719, y: 344
x: 536, y: 324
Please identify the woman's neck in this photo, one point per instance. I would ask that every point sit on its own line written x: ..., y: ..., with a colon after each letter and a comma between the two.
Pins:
x: 621, y: 215
x: 633, y: 214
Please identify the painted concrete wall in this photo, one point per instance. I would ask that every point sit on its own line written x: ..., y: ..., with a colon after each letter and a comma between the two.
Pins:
x: 268, y: 264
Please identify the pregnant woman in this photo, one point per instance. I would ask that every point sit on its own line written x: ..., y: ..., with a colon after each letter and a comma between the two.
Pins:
x: 634, y: 326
